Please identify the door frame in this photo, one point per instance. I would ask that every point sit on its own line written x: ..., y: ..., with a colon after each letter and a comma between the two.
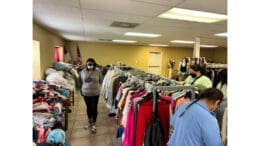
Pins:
x: 149, y: 58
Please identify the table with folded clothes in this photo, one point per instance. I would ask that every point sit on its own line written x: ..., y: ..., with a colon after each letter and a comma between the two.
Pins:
x: 61, y: 78
x: 50, y: 113
x: 66, y: 67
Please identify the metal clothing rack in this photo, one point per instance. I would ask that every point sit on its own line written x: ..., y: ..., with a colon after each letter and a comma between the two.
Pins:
x: 193, y: 89
x: 172, y: 81
x: 178, y: 87
x: 216, y: 66
x: 116, y: 69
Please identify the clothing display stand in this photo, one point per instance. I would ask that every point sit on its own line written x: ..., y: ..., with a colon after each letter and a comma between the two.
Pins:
x: 191, y: 88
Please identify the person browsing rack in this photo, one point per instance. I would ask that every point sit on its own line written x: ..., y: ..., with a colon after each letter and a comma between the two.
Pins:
x: 197, y: 78
x: 194, y: 123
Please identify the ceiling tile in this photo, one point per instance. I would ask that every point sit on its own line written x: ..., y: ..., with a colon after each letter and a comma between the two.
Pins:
x: 92, y: 22
x: 95, y: 15
x: 66, y: 3
x: 59, y: 18
x: 125, y: 7
x: 161, y: 2
x: 216, y: 6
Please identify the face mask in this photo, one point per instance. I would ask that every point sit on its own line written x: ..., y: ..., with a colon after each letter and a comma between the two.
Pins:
x: 193, y: 75
x: 90, y: 66
x: 183, y: 63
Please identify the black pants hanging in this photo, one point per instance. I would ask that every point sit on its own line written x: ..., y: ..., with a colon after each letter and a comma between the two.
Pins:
x: 92, y: 105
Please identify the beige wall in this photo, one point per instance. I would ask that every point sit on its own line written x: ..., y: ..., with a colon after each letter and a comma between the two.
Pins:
x: 36, y: 60
x: 208, y: 53
x: 48, y: 41
x: 107, y: 53
x: 132, y: 55
x: 220, y: 55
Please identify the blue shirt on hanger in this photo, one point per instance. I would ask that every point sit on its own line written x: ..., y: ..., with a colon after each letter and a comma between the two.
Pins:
x: 197, y: 127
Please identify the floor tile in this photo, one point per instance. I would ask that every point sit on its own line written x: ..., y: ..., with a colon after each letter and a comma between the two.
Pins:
x: 81, y: 142
x: 81, y: 133
x: 106, y: 126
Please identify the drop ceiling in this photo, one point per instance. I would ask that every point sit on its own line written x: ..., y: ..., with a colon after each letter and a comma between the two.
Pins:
x: 90, y: 20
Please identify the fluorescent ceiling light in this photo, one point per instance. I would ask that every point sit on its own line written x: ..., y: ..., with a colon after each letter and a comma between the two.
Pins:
x: 182, y: 42
x: 192, y: 15
x: 158, y: 45
x: 208, y: 46
x: 224, y: 34
x: 138, y: 34
x: 123, y: 41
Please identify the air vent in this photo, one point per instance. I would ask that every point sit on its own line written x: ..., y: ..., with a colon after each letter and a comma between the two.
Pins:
x: 107, y: 40
x: 124, y: 24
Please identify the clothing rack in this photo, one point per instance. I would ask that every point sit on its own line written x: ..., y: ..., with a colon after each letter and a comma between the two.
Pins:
x: 216, y: 66
x: 150, y: 86
x: 193, y: 89
x: 172, y: 81
x: 178, y: 87
x: 116, y: 69
x: 147, y: 84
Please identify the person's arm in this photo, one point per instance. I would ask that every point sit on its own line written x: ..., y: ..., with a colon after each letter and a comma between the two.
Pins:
x: 179, y: 69
x: 188, y: 80
x: 81, y: 80
x: 100, y: 77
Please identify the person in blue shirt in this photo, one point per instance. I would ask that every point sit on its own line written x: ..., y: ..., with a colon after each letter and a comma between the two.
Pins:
x: 194, y: 123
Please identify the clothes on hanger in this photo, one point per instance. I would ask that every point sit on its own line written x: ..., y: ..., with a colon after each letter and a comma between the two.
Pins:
x: 134, y: 103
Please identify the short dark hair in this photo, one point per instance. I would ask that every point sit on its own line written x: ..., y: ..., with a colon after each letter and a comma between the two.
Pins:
x: 212, y: 94
x: 201, y: 68
x: 92, y: 60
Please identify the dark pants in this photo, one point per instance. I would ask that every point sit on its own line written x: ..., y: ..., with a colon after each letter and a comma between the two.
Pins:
x: 92, y: 105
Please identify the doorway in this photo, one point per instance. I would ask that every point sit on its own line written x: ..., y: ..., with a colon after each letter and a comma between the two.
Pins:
x: 154, y: 63
x: 36, y: 65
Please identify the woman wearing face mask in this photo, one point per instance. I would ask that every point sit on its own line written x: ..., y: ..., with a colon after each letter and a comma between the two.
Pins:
x: 91, y: 80
x: 197, y: 78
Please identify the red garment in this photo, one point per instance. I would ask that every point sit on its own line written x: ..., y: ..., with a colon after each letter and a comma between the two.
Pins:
x: 128, y: 139
x: 166, y: 98
x: 41, y: 132
x: 67, y: 102
x: 40, y: 99
x: 145, y: 117
x: 57, y: 54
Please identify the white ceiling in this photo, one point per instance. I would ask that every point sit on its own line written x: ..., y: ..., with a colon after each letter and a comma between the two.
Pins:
x: 89, y: 20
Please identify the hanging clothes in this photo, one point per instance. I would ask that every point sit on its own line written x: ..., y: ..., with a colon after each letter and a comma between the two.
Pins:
x: 145, y: 118
x: 128, y: 138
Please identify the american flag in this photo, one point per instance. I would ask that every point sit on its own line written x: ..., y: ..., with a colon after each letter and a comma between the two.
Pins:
x: 78, y: 60
x: 67, y: 57
x: 78, y: 52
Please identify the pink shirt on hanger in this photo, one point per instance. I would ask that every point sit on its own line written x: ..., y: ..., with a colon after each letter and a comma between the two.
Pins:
x: 128, y: 139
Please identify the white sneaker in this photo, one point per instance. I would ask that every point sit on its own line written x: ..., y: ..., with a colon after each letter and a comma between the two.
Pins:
x: 93, y: 129
x: 87, y: 126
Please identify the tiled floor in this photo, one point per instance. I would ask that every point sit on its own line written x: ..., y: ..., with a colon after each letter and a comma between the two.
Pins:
x: 77, y: 135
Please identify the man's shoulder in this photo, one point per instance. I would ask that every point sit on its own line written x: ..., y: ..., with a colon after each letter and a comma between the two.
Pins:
x: 205, y: 77
x: 202, y: 114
